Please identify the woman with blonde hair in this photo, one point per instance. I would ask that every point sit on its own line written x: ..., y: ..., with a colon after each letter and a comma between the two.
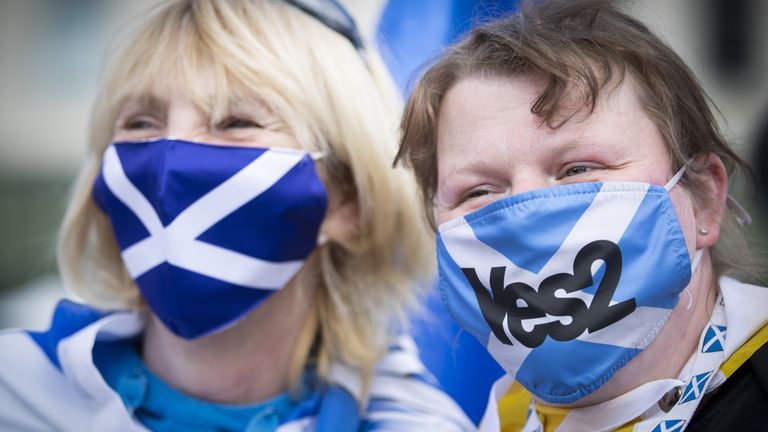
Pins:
x: 247, y: 249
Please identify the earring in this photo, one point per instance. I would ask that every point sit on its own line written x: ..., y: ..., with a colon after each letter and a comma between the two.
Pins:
x: 703, y: 231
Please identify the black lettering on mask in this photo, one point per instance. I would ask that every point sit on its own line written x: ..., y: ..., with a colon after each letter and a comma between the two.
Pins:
x: 519, y: 302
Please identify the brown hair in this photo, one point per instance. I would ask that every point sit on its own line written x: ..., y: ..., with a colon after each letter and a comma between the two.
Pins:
x: 579, y: 47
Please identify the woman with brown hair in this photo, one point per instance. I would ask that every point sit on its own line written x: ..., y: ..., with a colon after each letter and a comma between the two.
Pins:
x: 579, y: 189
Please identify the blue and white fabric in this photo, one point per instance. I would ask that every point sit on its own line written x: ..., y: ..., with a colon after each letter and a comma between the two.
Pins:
x: 48, y: 381
x: 740, y: 309
x: 409, y: 35
x: 714, y: 339
x: 565, y: 285
x: 209, y: 231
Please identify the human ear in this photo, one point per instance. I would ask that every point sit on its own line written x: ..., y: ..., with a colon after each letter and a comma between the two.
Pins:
x: 341, y: 223
x: 710, y: 205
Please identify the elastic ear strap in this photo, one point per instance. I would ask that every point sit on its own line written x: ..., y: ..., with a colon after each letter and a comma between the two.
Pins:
x: 696, y: 259
x: 694, y: 265
x: 318, y: 155
x: 741, y: 214
x: 678, y: 175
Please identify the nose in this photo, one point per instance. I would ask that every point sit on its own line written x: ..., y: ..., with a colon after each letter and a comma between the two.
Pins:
x: 526, y: 181
x: 187, y: 123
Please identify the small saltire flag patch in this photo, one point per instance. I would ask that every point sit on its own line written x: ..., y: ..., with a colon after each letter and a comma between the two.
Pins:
x: 714, y: 339
x: 669, y: 426
x: 695, y: 387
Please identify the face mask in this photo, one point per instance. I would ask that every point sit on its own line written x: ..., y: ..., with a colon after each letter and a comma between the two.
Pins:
x: 566, y: 285
x: 208, y: 232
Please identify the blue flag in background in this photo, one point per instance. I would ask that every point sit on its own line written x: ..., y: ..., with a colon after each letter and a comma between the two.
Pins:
x: 410, y: 36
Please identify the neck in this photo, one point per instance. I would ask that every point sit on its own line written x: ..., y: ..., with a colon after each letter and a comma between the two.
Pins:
x: 676, y: 342
x: 247, y: 363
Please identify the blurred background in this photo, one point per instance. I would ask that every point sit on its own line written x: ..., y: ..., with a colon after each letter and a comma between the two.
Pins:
x: 51, y: 55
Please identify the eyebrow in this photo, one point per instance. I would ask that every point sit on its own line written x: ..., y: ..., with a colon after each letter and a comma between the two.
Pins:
x: 148, y: 101
x: 467, y: 171
x: 142, y: 101
x: 574, y: 144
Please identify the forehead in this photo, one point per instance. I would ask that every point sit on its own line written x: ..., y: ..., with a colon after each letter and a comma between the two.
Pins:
x: 183, y: 59
x: 201, y: 81
x: 492, y: 108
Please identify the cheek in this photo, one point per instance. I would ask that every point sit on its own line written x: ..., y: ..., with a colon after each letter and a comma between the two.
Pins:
x: 444, y: 215
x: 440, y: 208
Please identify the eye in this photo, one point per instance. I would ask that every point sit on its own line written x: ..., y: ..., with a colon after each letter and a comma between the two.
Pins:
x: 237, y: 123
x: 477, y: 193
x: 140, y: 123
x: 576, y: 170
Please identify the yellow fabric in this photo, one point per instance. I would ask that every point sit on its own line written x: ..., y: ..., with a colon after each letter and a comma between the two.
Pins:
x: 629, y: 426
x: 513, y: 411
x: 745, y: 352
x: 513, y: 406
x: 551, y: 417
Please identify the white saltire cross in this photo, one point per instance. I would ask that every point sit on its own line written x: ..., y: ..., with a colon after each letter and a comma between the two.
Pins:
x: 177, y: 244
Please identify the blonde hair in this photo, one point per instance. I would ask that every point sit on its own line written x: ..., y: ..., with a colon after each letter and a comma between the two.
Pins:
x: 333, y: 100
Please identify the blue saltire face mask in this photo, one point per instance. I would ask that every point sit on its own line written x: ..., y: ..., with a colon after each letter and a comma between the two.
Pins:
x: 208, y: 232
x: 565, y: 285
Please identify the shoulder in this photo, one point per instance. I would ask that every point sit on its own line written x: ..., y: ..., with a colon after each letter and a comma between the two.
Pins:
x: 736, y: 405
x: 732, y: 282
x: 405, y: 396
x: 38, y: 389
x: 28, y: 349
x: 68, y: 318
x: 731, y: 287
x: 402, y: 396
x: 31, y: 379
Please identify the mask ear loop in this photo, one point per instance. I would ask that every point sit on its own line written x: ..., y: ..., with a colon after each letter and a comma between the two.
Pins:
x: 697, y: 256
x: 678, y: 175
x: 315, y: 156
x: 696, y: 259
x: 739, y: 212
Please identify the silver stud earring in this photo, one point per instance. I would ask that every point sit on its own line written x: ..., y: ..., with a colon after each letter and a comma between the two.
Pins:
x: 703, y: 231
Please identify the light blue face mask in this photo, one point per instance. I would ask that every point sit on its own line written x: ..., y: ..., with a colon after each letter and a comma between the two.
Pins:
x: 565, y: 285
